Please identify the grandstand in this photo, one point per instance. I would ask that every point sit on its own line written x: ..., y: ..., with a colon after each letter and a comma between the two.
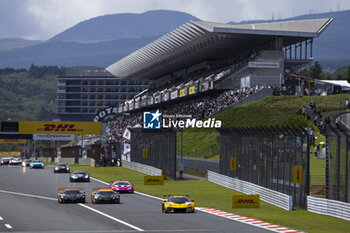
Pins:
x: 201, y: 67
x: 204, y: 59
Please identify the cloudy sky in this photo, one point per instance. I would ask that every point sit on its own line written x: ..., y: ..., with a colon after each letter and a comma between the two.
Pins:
x: 42, y: 19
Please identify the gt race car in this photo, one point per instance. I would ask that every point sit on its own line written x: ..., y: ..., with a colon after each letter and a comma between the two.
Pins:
x: 36, y: 164
x: 79, y: 176
x: 105, y: 196
x: 122, y: 186
x: 15, y: 161
x: 5, y: 161
x: 177, y: 204
x: 61, y: 168
x: 71, y: 195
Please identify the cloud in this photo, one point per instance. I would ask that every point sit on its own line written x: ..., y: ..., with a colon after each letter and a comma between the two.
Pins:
x: 42, y: 19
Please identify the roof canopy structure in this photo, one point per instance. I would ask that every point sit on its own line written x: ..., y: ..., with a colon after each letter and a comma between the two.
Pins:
x: 196, y: 41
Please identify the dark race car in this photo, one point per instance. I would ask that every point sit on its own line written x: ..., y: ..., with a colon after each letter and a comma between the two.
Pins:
x: 79, y: 176
x: 105, y: 196
x: 71, y: 195
x: 61, y: 168
x: 5, y: 161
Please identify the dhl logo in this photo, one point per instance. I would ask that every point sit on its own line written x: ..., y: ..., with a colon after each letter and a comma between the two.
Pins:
x: 245, y: 201
x: 154, y: 180
x: 59, y: 127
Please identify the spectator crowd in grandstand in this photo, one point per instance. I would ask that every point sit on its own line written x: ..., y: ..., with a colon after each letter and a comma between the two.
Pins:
x: 199, y: 109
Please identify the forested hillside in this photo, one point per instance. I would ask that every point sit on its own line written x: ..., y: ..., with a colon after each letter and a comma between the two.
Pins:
x: 28, y: 94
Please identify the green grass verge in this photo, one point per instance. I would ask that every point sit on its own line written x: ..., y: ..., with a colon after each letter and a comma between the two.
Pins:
x: 207, y: 194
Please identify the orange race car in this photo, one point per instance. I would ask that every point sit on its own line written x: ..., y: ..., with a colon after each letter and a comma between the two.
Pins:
x: 103, y: 195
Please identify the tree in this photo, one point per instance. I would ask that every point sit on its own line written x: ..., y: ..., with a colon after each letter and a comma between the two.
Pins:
x: 348, y: 75
x: 316, y: 70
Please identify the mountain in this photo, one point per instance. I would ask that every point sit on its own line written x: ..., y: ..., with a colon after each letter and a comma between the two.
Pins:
x: 61, y: 53
x: 13, y: 43
x: 103, y: 40
x: 99, y: 41
x: 332, y: 48
x: 118, y: 26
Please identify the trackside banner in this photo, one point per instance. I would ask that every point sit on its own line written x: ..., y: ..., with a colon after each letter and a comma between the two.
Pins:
x: 53, y: 137
x: 59, y: 127
x: 15, y: 141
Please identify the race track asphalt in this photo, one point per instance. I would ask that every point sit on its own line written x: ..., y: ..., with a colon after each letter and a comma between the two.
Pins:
x: 28, y: 203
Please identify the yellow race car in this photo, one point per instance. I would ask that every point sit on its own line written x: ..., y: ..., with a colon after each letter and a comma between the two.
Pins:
x: 177, y: 204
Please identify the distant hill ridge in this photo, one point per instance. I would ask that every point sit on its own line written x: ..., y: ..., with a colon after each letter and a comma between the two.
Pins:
x: 103, y: 40
x: 124, y: 26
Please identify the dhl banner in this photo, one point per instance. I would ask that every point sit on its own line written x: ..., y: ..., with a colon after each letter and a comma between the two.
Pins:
x: 10, y: 153
x: 233, y: 164
x: 154, y: 180
x: 245, y: 201
x: 145, y: 153
x: 15, y: 141
x: 59, y: 127
x: 298, y: 174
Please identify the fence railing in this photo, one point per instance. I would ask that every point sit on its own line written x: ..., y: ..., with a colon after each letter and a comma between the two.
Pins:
x: 272, y: 197
x: 149, y: 170
x: 329, y: 207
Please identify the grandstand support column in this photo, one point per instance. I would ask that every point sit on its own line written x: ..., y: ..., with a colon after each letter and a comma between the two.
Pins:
x: 301, y: 50
x: 305, y: 49
x: 311, y: 44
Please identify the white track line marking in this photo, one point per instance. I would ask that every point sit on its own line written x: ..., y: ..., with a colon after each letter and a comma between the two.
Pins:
x: 219, y: 213
x: 110, y: 217
x: 54, y: 199
x: 28, y: 195
x: 8, y: 226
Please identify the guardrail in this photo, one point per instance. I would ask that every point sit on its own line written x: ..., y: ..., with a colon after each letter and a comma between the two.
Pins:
x: 92, y: 163
x: 44, y: 159
x: 65, y: 160
x: 328, y: 207
x: 272, y: 197
x: 149, y: 170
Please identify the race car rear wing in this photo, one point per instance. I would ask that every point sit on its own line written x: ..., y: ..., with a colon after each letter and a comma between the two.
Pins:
x: 107, y: 189
x: 70, y: 188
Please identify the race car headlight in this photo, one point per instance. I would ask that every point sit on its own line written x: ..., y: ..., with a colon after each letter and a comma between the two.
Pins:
x: 189, y: 204
x: 169, y: 204
x: 74, y: 176
x: 56, y: 168
x: 86, y: 176
x: 67, y: 168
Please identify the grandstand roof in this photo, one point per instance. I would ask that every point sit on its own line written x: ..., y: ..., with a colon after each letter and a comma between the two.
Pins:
x: 196, y: 41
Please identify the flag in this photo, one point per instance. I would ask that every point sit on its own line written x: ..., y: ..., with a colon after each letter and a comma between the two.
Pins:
x: 127, y: 133
x: 126, y: 148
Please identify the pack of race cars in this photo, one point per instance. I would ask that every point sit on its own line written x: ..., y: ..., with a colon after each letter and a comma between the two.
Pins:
x: 170, y: 204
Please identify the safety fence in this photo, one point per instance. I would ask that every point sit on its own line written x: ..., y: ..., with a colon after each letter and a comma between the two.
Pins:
x: 44, y: 159
x: 275, y: 157
x: 149, y: 170
x: 65, y: 160
x: 272, y: 197
x: 199, y: 165
x: 337, y: 164
x: 329, y: 207
x: 156, y: 148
